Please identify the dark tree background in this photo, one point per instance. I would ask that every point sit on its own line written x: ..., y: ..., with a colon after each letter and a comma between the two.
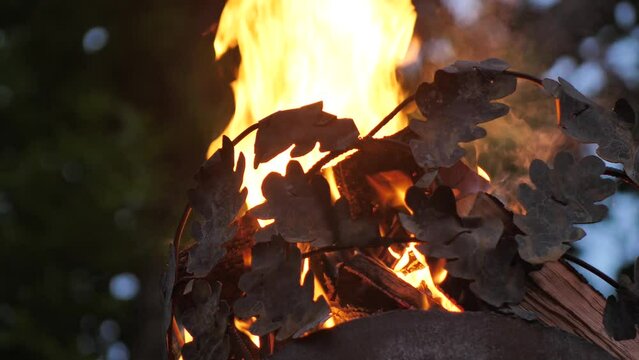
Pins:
x: 106, y: 110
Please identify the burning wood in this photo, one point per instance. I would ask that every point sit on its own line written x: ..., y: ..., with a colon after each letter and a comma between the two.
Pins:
x: 287, y: 249
x: 368, y: 284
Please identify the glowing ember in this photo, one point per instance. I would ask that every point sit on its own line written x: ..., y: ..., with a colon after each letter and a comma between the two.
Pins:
x: 344, y: 53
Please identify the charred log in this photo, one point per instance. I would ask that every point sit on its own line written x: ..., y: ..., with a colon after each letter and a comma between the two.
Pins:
x: 368, y: 284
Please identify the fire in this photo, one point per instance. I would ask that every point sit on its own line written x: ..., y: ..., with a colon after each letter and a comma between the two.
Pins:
x: 243, y: 326
x: 187, y: 339
x: 481, y: 172
x: 318, y: 291
x: 411, y: 265
x: 413, y: 268
x: 391, y: 187
x: 343, y: 52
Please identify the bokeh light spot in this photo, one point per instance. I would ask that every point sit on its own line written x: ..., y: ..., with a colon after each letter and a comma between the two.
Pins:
x: 124, y: 286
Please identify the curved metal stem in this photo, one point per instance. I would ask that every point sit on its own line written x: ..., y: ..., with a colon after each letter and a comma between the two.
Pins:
x: 592, y: 269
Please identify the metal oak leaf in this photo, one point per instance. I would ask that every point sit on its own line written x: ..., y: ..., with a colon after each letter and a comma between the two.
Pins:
x: 206, y: 321
x: 459, y: 98
x: 474, y: 246
x: 564, y: 196
x: 361, y: 231
x: 302, y: 127
x: 621, y: 315
x: 434, y: 220
x: 218, y: 199
x: 274, y: 294
x: 301, y: 208
x: 616, y: 132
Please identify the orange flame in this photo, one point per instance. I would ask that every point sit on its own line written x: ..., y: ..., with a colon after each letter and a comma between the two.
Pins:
x: 391, y: 187
x: 187, y: 339
x: 243, y: 327
x: 318, y: 291
x: 481, y: 172
x: 294, y: 53
x: 413, y: 268
x: 411, y: 265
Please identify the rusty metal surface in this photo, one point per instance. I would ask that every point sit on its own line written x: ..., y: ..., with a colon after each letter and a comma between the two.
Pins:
x: 419, y: 335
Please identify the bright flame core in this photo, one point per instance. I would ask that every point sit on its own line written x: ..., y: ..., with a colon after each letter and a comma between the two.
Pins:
x: 343, y: 52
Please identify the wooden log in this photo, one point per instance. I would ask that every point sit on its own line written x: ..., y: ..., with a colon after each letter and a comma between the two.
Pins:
x: 366, y: 283
x: 563, y: 299
x: 374, y: 156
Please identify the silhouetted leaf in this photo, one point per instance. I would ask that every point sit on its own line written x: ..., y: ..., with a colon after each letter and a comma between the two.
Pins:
x: 167, y: 283
x: 207, y: 322
x: 621, y: 315
x: 218, y: 199
x: 472, y: 244
x: 459, y: 98
x: 498, y: 271
x: 302, y: 127
x: 435, y: 218
x: 616, y: 132
x: 274, y: 294
x: 354, y: 232
x: 564, y: 196
x: 301, y: 209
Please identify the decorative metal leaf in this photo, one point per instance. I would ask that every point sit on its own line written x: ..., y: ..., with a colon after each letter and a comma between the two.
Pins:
x: 459, y: 98
x: 564, y: 196
x: 616, y: 132
x: 218, y: 199
x: 621, y: 315
x: 301, y: 209
x: 274, y: 294
x: 435, y: 219
x: 354, y: 232
x: 207, y: 322
x: 167, y: 283
x: 302, y: 127
x: 498, y: 271
x: 474, y: 246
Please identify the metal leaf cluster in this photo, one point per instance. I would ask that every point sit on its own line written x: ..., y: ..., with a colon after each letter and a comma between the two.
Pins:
x: 301, y: 208
x: 621, y: 315
x: 616, y: 132
x: 564, y: 196
x: 218, y: 199
x: 274, y: 294
x: 302, y: 127
x: 206, y: 321
x: 474, y: 246
x: 459, y: 98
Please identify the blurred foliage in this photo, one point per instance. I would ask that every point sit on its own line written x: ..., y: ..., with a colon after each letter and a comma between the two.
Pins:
x: 97, y: 149
x: 96, y: 152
